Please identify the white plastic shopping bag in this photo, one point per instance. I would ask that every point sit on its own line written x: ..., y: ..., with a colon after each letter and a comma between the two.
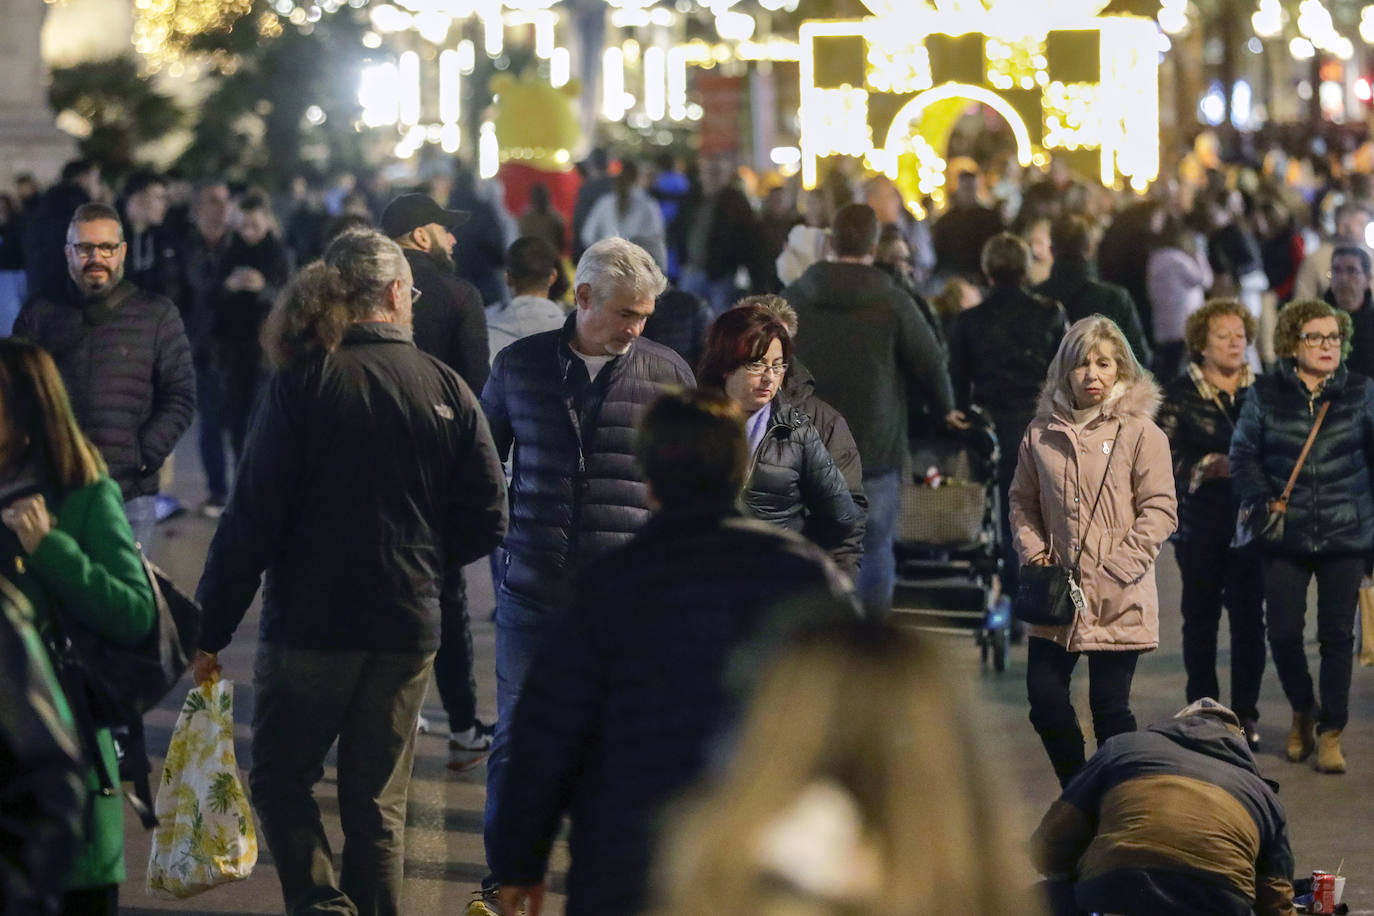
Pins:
x: 205, y: 834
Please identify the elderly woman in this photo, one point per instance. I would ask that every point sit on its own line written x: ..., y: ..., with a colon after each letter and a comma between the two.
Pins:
x: 792, y: 477
x: 1329, y: 523
x: 1093, y: 491
x: 1199, y: 414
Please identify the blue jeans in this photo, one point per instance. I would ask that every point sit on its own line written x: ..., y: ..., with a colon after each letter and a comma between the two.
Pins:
x: 518, y: 626
x: 211, y: 430
x: 142, y: 514
x: 878, y: 570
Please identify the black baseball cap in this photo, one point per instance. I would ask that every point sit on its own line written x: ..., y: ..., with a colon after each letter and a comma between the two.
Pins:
x: 411, y: 211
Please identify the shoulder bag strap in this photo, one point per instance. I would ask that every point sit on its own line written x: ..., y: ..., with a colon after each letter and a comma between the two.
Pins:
x: 1082, y: 542
x: 1282, y: 503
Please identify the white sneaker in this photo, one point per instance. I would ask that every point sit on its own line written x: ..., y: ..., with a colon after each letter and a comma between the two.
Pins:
x: 422, y: 726
x: 466, y: 748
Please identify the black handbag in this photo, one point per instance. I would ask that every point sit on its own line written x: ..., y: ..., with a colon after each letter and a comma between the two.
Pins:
x: 1262, y: 523
x: 1052, y: 596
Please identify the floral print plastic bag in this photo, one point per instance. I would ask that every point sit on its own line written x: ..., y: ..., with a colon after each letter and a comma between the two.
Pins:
x: 205, y: 835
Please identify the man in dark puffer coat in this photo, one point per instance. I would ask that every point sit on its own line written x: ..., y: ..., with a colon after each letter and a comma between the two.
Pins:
x: 563, y: 406
x: 124, y: 358
x: 634, y: 682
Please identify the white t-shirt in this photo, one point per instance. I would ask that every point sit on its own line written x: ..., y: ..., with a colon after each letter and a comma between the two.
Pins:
x: 594, y: 363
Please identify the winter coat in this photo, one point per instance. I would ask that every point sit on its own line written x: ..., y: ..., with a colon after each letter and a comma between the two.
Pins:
x: 1182, y: 801
x: 368, y: 474
x: 576, y: 490
x: 1177, y: 283
x: 1197, y: 426
x: 127, y: 367
x: 679, y: 322
x: 793, y: 480
x: 799, y: 389
x: 866, y: 342
x: 1058, y: 474
x: 1331, y: 510
x: 1073, y: 284
x: 153, y: 263
x: 45, y: 235
x: 522, y: 317
x: 633, y: 684
x: 236, y: 317
x: 450, y: 322
x: 641, y: 223
x: 1000, y: 350
x: 89, y: 567
x: 959, y: 236
x: 1361, y: 358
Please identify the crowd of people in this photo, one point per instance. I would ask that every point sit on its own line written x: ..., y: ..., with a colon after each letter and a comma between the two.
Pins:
x: 685, y: 463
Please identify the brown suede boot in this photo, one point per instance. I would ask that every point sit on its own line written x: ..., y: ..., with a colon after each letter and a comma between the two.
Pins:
x: 1329, y: 756
x: 1301, y: 741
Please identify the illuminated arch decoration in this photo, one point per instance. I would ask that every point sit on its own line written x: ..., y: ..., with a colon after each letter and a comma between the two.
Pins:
x: 1067, y: 80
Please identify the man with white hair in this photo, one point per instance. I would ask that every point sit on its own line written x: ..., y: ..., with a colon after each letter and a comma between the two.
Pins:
x: 563, y: 406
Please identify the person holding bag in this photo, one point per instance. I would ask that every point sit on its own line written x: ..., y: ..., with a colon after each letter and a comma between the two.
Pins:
x: 1300, y: 460
x: 67, y: 545
x: 1092, y: 502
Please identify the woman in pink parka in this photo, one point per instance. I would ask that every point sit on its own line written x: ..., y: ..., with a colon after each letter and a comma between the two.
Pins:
x: 1097, y: 404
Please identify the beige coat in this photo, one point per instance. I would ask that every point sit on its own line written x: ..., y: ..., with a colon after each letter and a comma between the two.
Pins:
x: 1057, y: 476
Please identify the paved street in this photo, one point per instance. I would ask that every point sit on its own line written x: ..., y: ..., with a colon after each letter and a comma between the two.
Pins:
x: 1331, y: 819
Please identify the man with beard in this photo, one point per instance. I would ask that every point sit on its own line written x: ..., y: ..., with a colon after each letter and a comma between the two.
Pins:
x: 450, y: 325
x: 124, y: 358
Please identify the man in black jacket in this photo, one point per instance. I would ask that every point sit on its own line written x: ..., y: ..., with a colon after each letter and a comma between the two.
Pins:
x: 1349, y: 292
x: 563, y: 405
x: 45, y: 228
x: 123, y: 356
x: 366, y: 476
x: 451, y: 326
x: 867, y: 345
x: 635, y: 680
x: 1073, y: 284
x: 999, y: 353
x: 153, y: 262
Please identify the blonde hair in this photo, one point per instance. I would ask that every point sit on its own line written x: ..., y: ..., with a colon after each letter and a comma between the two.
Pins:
x: 1083, y: 337
x: 866, y: 712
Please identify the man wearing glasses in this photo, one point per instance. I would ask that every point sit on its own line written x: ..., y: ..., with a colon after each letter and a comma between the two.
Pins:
x: 1349, y: 292
x: 124, y: 357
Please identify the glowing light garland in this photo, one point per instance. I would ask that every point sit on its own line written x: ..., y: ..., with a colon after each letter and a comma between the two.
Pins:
x: 163, y: 29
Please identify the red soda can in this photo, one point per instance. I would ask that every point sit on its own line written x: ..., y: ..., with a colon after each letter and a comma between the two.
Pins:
x: 1323, y: 892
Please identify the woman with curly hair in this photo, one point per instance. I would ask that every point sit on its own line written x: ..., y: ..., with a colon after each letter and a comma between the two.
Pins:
x: 1199, y: 413
x: 1328, y: 528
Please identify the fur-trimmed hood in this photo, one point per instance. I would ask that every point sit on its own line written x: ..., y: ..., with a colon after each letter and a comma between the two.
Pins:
x: 1139, y: 400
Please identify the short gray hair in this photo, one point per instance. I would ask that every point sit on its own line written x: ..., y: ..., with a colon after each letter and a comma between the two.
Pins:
x: 367, y: 263
x: 615, y: 264
x: 1083, y: 336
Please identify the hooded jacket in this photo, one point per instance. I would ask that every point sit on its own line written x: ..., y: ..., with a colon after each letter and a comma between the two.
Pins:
x: 1179, y: 808
x: 1073, y: 283
x: 866, y: 342
x: 1058, y: 475
x: 1331, y: 510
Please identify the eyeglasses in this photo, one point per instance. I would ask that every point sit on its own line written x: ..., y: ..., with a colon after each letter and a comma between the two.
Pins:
x: 414, y: 295
x: 105, y: 249
x: 1322, y: 340
x: 759, y: 367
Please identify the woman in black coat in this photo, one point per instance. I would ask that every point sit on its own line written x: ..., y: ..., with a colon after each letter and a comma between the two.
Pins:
x: 791, y: 475
x: 1328, y: 530
x: 255, y: 268
x: 1200, y: 411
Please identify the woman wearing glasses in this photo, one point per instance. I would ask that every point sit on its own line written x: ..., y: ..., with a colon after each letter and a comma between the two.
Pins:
x: 791, y: 475
x: 1328, y: 528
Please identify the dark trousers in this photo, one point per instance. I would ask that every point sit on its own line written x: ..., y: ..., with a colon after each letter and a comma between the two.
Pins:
x: 1214, y: 575
x: 453, y: 674
x: 1048, y: 669
x: 369, y: 702
x: 1338, y: 587
x: 91, y: 901
x: 239, y: 366
x: 1010, y: 430
x: 211, y: 429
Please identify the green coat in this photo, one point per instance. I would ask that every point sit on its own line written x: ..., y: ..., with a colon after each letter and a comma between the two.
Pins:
x: 89, y: 565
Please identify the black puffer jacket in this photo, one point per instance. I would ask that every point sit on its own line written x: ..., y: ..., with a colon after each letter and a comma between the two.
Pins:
x: 575, y: 489
x: 127, y: 367
x: 799, y: 390
x: 1197, y: 426
x: 793, y: 480
x: 679, y: 322
x: 999, y: 351
x: 1332, y: 507
x: 450, y: 323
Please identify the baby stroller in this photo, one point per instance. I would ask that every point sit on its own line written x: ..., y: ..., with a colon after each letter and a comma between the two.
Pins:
x: 948, y: 542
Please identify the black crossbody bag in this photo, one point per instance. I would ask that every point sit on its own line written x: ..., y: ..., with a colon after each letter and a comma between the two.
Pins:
x: 1051, y: 596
